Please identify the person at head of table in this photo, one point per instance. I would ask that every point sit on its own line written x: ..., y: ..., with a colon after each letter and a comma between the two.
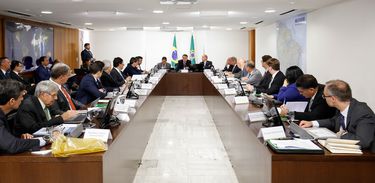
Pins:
x: 34, y: 112
x: 184, y: 63
x: 254, y: 76
x: 317, y: 107
x: 205, y: 62
x: 163, y: 64
x: 354, y: 120
x: 277, y: 79
x: 231, y: 68
x: 289, y: 92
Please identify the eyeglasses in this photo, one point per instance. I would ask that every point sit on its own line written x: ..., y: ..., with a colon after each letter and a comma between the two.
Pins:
x: 326, y: 96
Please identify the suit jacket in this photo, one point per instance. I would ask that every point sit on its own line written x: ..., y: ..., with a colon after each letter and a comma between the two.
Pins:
x: 30, y: 117
x: 265, y: 81
x: 208, y: 64
x: 276, y: 84
x: 4, y: 76
x: 232, y: 68
x: 130, y: 71
x: 30, y: 89
x: 12, y: 144
x: 117, y: 77
x: 89, y: 90
x: 42, y: 73
x: 242, y: 73
x: 319, y: 108
x: 254, y: 78
x: 86, y: 55
x: 289, y: 93
x: 360, y: 124
x: 180, y: 65
x: 108, y: 82
x: 61, y: 105
x: 86, y: 70
x: 160, y: 66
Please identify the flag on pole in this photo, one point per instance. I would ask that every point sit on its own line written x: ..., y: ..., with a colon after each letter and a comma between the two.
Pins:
x: 192, y: 50
x: 174, y: 52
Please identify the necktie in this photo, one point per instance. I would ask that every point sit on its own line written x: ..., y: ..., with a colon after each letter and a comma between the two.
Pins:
x: 341, y: 122
x: 46, y: 112
x: 67, y: 96
x: 310, y: 104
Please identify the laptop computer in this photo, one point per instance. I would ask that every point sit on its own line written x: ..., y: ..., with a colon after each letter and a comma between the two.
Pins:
x: 80, y: 118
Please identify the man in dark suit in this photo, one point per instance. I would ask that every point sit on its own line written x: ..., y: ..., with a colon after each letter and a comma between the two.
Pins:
x: 317, y: 108
x: 132, y: 68
x: 354, y: 120
x: 4, y: 68
x: 86, y: 54
x: 34, y: 114
x: 276, y: 82
x: 163, y: 64
x: 231, y: 67
x: 90, y: 87
x: 12, y: 93
x: 205, y: 63
x: 60, y: 74
x: 266, y: 79
x: 183, y: 63
x: 16, y: 67
x: 109, y: 84
x: 116, y: 72
x: 42, y: 72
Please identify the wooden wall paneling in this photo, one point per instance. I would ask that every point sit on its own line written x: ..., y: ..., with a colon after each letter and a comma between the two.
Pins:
x: 1, y: 36
x: 252, y: 45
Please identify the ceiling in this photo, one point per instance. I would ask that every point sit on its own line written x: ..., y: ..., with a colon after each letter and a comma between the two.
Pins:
x: 136, y: 14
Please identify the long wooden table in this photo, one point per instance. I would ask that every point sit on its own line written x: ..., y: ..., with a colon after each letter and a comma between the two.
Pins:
x: 251, y: 159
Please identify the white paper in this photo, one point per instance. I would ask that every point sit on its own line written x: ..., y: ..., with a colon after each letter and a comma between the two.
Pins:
x: 123, y: 108
x: 241, y: 100
x: 103, y: 101
x: 257, y: 116
x: 41, y: 132
x: 101, y: 134
x: 157, y: 75
x: 320, y: 133
x: 123, y: 117
x: 130, y: 102
x: 43, y: 152
x: 142, y: 92
x: 295, y: 144
x: 184, y: 71
x: 222, y: 86
x: 146, y: 86
x: 138, y: 77
x: 153, y: 80
x: 230, y: 91
x: 296, y: 106
x: 272, y: 133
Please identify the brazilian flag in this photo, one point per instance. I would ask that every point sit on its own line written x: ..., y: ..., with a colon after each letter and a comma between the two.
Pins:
x: 174, y: 52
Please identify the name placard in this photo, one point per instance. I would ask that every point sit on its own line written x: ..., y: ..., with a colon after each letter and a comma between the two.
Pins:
x: 101, y: 134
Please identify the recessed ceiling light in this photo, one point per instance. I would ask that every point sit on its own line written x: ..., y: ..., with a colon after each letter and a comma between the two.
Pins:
x: 292, y: 2
x: 117, y: 13
x: 228, y: 29
x: 77, y: 0
x: 165, y: 23
x: 46, y: 12
x: 243, y: 23
x: 151, y: 28
x: 111, y: 29
x: 158, y: 11
x: 88, y: 23
x: 270, y: 11
x: 195, y: 13
x: 205, y: 26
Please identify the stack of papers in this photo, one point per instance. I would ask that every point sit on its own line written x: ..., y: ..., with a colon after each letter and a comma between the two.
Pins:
x: 320, y: 133
x: 294, y: 146
x: 342, y: 146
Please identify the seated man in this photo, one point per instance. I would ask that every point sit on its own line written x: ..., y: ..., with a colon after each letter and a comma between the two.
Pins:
x: 266, y: 78
x: 354, y: 120
x: 60, y: 74
x: 85, y: 66
x: 184, y: 63
x: 4, y: 68
x: 163, y: 64
x: 254, y: 76
x: 16, y: 68
x: 42, y: 72
x: 107, y: 80
x: 206, y: 64
x: 90, y: 87
x: 132, y: 68
x: 317, y: 107
x: 34, y: 114
x: 277, y: 79
x: 241, y: 63
x: 231, y: 67
x: 116, y: 72
x: 12, y: 93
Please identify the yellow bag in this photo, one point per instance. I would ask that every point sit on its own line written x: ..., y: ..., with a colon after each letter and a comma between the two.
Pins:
x: 66, y: 146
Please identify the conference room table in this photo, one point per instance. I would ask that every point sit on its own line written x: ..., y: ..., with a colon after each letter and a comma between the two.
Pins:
x: 252, y: 160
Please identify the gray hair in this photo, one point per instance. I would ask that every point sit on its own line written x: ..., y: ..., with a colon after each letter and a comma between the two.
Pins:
x: 46, y: 86
x: 107, y: 64
x: 340, y: 89
x: 59, y: 69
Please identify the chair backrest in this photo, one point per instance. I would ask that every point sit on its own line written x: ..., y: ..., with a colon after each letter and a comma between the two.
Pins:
x: 28, y: 62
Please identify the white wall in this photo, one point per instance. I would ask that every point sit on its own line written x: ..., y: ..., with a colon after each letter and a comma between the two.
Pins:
x: 153, y: 45
x: 340, y: 45
x: 265, y: 43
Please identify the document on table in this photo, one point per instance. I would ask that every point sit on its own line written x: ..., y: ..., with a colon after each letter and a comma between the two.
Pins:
x: 294, y: 144
x: 296, y: 106
x: 320, y: 133
x: 257, y: 116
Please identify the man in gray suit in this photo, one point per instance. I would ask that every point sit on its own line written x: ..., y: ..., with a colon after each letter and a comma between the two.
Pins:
x: 354, y: 120
x: 163, y: 64
x: 253, y: 76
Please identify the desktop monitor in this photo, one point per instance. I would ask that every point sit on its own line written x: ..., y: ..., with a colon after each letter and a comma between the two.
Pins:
x: 108, y: 120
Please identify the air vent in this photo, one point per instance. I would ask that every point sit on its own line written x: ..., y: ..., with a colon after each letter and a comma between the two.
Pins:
x: 243, y: 28
x: 290, y: 11
x: 19, y: 13
x: 178, y: 2
x: 64, y: 23
x: 134, y: 29
x: 259, y: 22
x: 88, y: 28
